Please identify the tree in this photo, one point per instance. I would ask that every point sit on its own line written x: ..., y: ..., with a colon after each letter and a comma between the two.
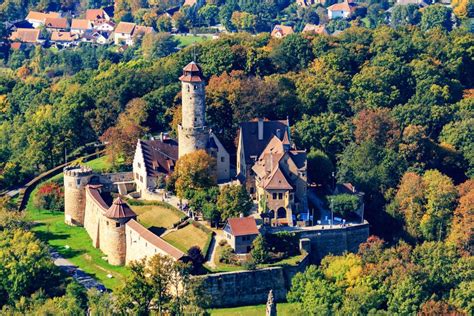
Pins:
x: 194, y: 171
x: 233, y: 200
x: 376, y: 125
x: 293, y: 53
x: 462, y: 228
x: 320, y: 167
x: 156, y: 45
x: 343, y: 204
x: 209, y: 14
x: 197, y: 258
x: 259, y: 250
x: 25, y: 266
x: 403, y: 15
x: 163, y: 24
x: 436, y: 16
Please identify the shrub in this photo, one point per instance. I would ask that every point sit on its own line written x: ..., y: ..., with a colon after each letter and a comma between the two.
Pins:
x: 50, y: 196
x: 343, y: 204
x: 259, y: 250
x: 197, y: 259
x: 249, y: 264
x: 227, y: 255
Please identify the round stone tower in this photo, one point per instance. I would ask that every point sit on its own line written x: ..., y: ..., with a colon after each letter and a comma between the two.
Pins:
x: 192, y: 133
x: 113, y: 239
x: 75, y: 180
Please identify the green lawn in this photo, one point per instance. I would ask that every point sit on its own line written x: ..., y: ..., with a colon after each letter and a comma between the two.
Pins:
x: 187, y: 237
x: 100, y: 164
x: 157, y: 218
x: 283, y: 309
x: 51, y: 229
x: 190, y: 39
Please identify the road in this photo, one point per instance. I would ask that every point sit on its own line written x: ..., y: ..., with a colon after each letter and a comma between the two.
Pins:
x: 79, y: 275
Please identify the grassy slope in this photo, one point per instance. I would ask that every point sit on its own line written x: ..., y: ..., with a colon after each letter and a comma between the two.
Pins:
x: 100, y: 164
x: 156, y: 217
x: 283, y: 309
x: 187, y: 237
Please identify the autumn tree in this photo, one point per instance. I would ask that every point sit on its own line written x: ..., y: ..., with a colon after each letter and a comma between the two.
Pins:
x: 194, y: 171
x: 121, y: 139
x: 377, y: 125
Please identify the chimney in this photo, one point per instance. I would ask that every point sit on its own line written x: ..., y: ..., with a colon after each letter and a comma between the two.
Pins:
x: 260, y: 129
x: 278, y: 133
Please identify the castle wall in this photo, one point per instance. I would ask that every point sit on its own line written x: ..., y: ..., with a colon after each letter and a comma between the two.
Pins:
x: 93, y: 215
x: 141, y: 243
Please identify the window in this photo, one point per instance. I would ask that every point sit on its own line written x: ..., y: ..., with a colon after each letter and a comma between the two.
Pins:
x: 274, y: 196
x: 222, y: 159
x: 252, y: 190
x: 117, y: 224
x: 139, y: 165
x: 188, y: 88
x: 280, y: 196
x: 195, y: 87
x: 107, y: 223
x: 78, y: 182
x: 141, y: 179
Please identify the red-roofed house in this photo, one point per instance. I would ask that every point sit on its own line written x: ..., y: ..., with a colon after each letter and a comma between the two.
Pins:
x: 240, y: 232
x: 80, y: 26
x: 280, y: 31
x: 126, y: 33
x: 342, y: 10
x: 315, y: 29
x: 56, y: 24
x: 38, y: 18
x: 30, y: 36
x: 64, y: 38
x: 97, y: 15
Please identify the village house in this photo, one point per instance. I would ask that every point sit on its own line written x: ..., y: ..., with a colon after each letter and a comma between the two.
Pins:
x: 127, y: 33
x: 95, y: 15
x: 38, y: 19
x: 56, y: 24
x: 280, y: 31
x: 104, y: 26
x: 26, y: 36
x: 240, y: 232
x: 343, y: 10
x: 80, y: 26
x: 315, y: 29
x: 309, y: 3
x: 66, y: 39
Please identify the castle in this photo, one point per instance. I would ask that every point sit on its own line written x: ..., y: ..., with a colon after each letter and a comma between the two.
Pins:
x: 273, y: 171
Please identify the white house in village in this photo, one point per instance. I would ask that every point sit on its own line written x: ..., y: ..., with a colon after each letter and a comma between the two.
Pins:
x: 38, y: 19
x: 341, y: 10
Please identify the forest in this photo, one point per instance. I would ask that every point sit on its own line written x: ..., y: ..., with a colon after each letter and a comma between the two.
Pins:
x: 390, y: 110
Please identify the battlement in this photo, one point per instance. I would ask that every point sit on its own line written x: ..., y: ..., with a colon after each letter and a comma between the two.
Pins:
x: 77, y: 171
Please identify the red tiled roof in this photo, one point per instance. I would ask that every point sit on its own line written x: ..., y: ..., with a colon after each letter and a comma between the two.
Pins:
x: 125, y: 27
x: 57, y: 23
x: 80, y: 24
x: 241, y: 226
x: 155, y: 240
x: 62, y: 37
x: 95, y: 14
x: 317, y: 29
x: 40, y: 16
x: 283, y: 30
x: 119, y: 209
x: 343, y: 6
x: 25, y: 35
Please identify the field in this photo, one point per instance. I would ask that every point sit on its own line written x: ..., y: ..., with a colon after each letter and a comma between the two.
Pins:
x: 283, y: 309
x: 50, y: 228
x: 100, y: 164
x: 190, y: 39
x: 157, y: 218
x: 188, y: 237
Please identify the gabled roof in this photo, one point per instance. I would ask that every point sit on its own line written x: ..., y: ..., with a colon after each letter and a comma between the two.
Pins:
x: 189, y: 3
x: 25, y: 35
x: 40, y: 16
x: 81, y: 24
x: 63, y: 37
x: 119, y: 209
x: 125, y: 28
x: 57, y: 23
x: 242, y: 226
x: 282, y: 30
x: 160, y: 156
x: 155, y: 240
x: 317, y: 29
x: 95, y: 14
x: 141, y: 30
x: 343, y: 6
x: 277, y: 181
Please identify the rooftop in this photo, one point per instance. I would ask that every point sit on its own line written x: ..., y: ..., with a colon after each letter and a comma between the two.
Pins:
x: 242, y: 226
